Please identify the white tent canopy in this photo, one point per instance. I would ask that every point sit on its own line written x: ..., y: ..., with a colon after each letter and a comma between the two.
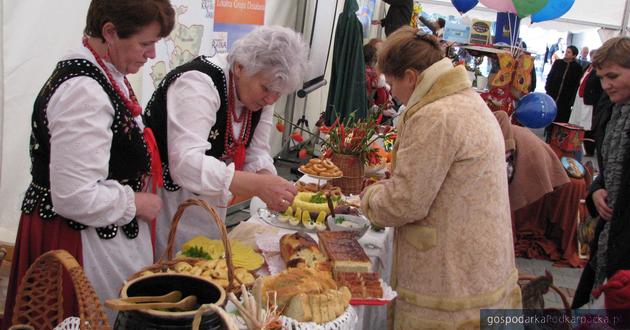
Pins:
x: 583, y: 15
x: 36, y: 33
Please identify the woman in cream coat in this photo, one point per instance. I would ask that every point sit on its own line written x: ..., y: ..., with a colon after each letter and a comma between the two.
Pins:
x: 448, y: 196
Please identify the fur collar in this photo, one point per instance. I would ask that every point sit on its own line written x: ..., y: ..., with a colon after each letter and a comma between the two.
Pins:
x: 448, y: 83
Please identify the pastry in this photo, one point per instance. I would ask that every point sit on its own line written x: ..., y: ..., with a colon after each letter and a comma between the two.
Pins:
x: 344, y: 251
x: 321, y: 167
x: 300, y: 248
x: 361, y: 285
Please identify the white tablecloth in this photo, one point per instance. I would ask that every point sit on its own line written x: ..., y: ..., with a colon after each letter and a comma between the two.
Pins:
x: 377, y: 245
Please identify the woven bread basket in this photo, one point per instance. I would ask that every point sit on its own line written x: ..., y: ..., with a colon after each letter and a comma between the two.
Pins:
x: 39, y: 300
x: 353, y: 173
x: 167, y: 261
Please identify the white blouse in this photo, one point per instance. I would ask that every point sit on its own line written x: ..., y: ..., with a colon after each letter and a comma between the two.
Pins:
x: 80, y: 115
x: 193, y: 102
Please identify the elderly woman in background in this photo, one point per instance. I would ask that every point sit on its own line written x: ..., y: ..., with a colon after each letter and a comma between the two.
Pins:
x: 213, y: 118
x: 89, y: 156
x: 448, y: 195
x: 609, y: 195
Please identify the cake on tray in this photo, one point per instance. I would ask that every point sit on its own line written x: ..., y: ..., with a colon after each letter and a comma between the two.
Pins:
x: 344, y: 252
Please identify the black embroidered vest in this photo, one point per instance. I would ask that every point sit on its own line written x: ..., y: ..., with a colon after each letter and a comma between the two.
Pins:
x: 128, y: 162
x: 155, y: 114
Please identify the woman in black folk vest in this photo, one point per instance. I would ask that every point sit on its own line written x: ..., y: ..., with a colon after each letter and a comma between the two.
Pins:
x: 212, y: 119
x: 89, y: 156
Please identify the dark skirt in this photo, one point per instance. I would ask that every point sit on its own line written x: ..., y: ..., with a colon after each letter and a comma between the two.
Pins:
x: 35, y: 237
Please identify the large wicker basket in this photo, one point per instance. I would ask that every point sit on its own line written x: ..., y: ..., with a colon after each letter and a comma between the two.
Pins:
x: 167, y: 261
x: 39, y: 300
x: 353, y: 172
x: 524, y: 279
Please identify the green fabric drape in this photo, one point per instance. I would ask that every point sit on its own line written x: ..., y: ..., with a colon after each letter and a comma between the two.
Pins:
x: 347, y: 93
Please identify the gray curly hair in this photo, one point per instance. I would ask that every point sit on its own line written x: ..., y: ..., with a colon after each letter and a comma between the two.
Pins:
x: 275, y: 50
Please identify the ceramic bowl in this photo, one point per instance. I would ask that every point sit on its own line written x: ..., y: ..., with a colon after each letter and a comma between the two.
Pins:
x: 346, y: 222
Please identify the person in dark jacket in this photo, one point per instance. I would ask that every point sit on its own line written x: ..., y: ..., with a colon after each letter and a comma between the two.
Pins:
x: 399, y: 14
x: 609, y: 195
x: 591, y: 94
x: 563, y: 82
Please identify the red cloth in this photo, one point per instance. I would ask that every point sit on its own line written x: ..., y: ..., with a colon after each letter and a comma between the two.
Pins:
x: 35, y: 237
x: 376, y: 95
x: 547, y: 228
x: 566, y: 138
x: 156, y: 173
x: 499, y: 99
x: 617, y: 290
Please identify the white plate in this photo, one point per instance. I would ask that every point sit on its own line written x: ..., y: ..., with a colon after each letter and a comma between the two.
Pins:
x: 271, y: 218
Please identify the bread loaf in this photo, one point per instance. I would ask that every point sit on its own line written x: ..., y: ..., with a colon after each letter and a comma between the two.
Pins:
x: 299, y: 308
x: 304, y: 294
x: 300, y: 248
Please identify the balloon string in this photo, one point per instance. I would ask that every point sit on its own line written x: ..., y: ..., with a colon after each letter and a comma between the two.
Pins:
x: 513, y: 35
x: 510, y: 33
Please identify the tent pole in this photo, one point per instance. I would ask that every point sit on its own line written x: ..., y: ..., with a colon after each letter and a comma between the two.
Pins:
x: 1, y: 85
x: 624, y: 21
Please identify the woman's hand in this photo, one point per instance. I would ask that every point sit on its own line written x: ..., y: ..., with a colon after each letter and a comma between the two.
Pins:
x: 275, y: 191
x: 600, y: 198
x: 147, y: 206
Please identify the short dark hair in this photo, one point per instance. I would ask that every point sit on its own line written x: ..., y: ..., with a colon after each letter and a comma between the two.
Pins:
x: 574, y: 50
x: 369, y: 54
x: 129, y: 16
x: 441, y: 22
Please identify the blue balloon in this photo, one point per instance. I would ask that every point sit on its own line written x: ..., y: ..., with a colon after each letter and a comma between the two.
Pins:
x: 536, y: 110
x: 463, y: 6
x: 553, y: 10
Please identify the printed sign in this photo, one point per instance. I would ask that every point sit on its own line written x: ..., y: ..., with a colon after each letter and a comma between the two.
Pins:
x: 480, y: 32
x: 238, y: 17
x: 240, y: 12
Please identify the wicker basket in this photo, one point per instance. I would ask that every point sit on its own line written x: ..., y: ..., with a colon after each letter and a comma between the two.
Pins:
x: 353, y: 172
x: 167, y: 261
x: 39, y: 300
x: 524, y: 279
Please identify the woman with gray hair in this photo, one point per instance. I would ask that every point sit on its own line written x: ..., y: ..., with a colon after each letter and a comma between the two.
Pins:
x: 212, y: 119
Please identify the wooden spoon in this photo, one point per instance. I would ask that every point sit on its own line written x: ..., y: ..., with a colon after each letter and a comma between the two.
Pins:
x: 185, y: 304
x: 171, y: 297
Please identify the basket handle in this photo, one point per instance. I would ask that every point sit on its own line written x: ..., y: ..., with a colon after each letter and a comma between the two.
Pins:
x: 50, y: 265
x: 217, y: 219
x: 563, y: 297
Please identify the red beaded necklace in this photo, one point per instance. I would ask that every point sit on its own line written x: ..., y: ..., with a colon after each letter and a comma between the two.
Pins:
x: 131, y: 102
x: 234, y: 146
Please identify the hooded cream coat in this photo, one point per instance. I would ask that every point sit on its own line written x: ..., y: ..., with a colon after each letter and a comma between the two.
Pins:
x: 448, y: 199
